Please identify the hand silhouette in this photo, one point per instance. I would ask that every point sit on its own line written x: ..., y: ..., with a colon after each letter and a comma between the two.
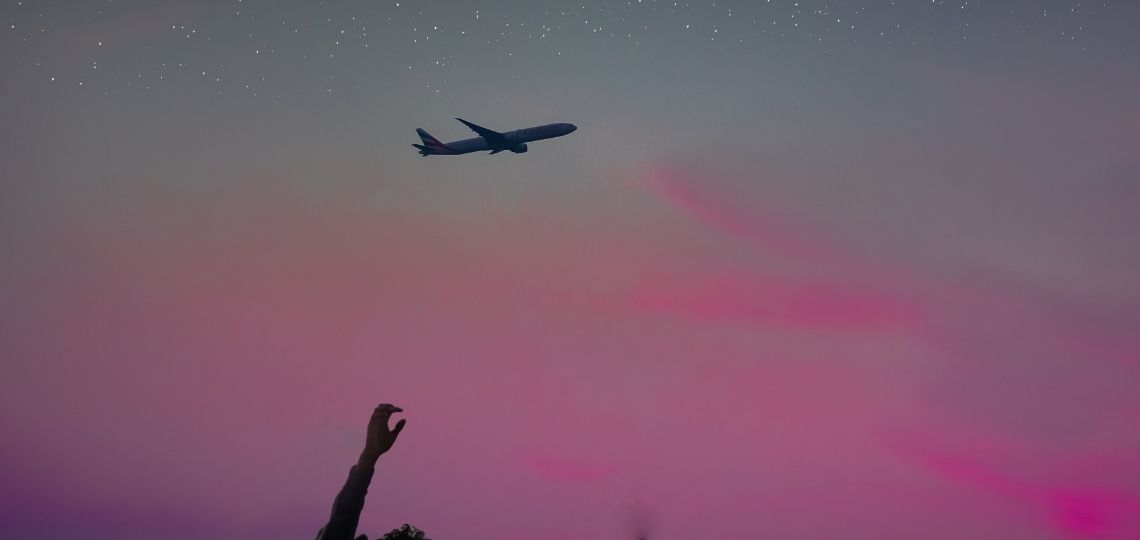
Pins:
x: 379, y: 438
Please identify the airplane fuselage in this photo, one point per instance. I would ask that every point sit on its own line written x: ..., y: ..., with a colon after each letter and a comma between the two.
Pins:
x: 513, y: 138
x: 515, y: 141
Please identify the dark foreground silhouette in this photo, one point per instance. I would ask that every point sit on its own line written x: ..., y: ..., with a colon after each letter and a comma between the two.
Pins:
x: 350, y: 501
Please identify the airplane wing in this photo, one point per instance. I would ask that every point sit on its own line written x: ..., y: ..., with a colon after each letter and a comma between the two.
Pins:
x: 492, y: 137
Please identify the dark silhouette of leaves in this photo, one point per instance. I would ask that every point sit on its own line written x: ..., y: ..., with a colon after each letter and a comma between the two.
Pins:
x: 407, y: 532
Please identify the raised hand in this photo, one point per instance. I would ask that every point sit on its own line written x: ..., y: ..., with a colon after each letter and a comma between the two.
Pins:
x: 379, y: 438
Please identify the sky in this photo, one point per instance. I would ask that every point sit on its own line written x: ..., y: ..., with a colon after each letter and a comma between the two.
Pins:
x: 818, y: 270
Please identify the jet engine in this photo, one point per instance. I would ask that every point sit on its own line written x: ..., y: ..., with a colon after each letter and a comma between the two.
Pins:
x: 520, y: 149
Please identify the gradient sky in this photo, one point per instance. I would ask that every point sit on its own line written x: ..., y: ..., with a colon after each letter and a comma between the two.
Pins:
x: 816, y: 270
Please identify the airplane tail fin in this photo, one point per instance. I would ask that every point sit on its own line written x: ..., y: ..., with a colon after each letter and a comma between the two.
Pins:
x: 430, y: 145
x: 427, y: 138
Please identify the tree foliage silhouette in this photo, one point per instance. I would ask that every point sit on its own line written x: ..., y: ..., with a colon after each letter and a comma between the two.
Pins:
x: 407, y: 532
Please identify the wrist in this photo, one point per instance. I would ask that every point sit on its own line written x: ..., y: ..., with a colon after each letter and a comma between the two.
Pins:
x: 367, y: 459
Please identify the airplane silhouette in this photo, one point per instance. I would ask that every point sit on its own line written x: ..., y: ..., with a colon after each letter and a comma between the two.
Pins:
x: 488, y: 139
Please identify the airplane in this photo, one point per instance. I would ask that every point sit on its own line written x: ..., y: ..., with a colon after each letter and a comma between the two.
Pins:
x: 496, y: 142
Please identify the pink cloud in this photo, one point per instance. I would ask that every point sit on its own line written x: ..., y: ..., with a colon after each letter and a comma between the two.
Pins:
x: 575, y: 471
x: 1080, y: 508
x: 706, y: 198
x: 1013, y: 349
x: 770, y: 301
x: 839, y: 293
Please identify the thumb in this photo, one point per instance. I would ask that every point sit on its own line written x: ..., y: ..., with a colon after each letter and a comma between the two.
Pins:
x: 399, y: 427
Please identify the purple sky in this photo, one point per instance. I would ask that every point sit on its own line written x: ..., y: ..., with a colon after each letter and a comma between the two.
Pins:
x: 817, y: 282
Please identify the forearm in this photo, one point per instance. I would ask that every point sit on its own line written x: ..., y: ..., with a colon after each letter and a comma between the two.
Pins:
x: 349, y: 503
x: 367, y: 460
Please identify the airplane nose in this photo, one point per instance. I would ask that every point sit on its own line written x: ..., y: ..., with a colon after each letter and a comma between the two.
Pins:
x: 571, y: 128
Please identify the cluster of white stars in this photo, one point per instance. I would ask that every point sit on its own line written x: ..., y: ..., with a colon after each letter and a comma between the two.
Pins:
x: 260, y: 47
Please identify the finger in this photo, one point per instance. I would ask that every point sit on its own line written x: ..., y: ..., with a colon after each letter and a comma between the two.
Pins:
x: 399, y: 427
x: 384, y: 411
x: 387, y: 408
